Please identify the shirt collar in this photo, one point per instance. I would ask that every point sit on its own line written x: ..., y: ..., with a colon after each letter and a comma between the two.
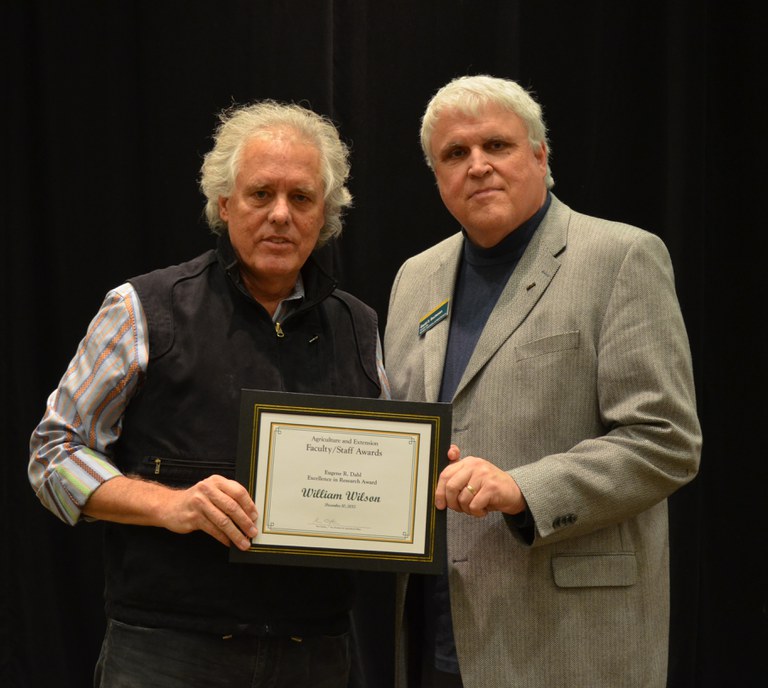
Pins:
x: 291, y: 302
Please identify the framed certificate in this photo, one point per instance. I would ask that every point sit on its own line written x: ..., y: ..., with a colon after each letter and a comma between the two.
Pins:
x: 343, y: 482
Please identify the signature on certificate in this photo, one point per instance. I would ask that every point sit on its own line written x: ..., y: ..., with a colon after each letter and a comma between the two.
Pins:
x: 333, y: 524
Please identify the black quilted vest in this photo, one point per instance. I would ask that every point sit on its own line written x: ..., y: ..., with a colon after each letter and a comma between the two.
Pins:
x: 208, y: 339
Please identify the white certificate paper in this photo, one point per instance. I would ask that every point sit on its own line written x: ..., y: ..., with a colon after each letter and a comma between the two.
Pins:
x: 342, y: 481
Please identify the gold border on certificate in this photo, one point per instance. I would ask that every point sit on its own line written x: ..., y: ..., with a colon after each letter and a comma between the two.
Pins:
x: 342, y: 481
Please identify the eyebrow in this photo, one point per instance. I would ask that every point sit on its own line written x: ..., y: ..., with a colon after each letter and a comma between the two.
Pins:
x: 450, y: 146
x: 494, y: 136
x: 301, y: 188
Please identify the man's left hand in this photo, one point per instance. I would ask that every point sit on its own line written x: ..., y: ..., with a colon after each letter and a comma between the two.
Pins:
x: 476, y: 487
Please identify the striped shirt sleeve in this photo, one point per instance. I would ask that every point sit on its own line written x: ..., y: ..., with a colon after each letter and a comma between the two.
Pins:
x: 70, y: 450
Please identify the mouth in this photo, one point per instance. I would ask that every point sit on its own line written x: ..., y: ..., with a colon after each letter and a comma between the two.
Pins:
x: 276, y: 241
x: 483, y: 193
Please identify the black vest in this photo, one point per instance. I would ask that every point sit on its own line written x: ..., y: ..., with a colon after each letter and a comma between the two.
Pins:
x: 208, y: 339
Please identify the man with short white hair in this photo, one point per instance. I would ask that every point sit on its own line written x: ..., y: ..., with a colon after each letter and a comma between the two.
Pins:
x: 559, y: 341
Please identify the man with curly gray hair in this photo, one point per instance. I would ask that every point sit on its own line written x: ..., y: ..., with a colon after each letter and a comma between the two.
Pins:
x: 239, y: 125
x: 142, y: 430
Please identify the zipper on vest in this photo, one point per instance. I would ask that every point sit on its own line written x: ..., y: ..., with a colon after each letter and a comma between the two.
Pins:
x: 171, y: 467
x: 279, y: 330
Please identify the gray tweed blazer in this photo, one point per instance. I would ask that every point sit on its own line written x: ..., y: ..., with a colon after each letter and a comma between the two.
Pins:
x: 581, y: 387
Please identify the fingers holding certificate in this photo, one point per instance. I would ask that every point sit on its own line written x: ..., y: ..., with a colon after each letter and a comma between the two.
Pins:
x: 343, y: 482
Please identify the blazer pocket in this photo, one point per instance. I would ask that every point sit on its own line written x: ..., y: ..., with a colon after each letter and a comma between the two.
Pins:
x: 595, y: 570
x: 548, y: 345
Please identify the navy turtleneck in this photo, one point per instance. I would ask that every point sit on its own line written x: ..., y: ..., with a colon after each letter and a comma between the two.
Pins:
x: 483, y: 274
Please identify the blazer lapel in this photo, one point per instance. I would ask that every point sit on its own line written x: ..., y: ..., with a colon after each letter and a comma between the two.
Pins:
x: 441, y: 284
x: 526, y: 286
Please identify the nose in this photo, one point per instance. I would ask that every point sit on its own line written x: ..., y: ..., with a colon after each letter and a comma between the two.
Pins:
x: 479, y: 165
x: 280, y: 213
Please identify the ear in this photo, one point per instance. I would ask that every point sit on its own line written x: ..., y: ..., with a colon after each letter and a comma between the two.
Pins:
x: 541, y: 157
x: 223, y: 212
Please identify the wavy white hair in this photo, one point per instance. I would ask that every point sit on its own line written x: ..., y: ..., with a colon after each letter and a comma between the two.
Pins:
x: 240, y: 124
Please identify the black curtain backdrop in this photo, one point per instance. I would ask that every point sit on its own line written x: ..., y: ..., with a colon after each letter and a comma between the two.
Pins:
x: 657, y: 116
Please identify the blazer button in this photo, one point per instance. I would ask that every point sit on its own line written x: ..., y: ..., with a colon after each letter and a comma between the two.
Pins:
x: 564, y: 520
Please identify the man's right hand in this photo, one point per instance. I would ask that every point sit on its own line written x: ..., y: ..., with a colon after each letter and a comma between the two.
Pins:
x: 217, y: 506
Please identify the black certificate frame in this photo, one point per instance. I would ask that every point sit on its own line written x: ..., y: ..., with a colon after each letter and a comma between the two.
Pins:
x: 423, y: 552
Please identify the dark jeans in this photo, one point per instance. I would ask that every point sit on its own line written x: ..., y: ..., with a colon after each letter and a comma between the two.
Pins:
x: 138, y: 657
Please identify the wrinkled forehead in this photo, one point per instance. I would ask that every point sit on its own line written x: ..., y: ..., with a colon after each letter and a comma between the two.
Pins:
x: 486, y: 121
x: 283, y: 138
